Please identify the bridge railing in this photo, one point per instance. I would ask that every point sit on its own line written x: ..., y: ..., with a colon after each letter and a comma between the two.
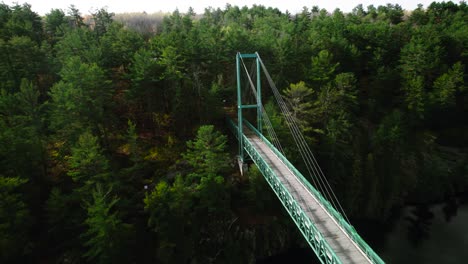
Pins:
x: 305, y: 225
x: 370, y: 253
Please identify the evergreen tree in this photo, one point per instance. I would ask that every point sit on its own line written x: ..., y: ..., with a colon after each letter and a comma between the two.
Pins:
x: 169, y: 208
x: 322, y: 69
x: 80, y: 101
x: 105, y: 234
x: 15, y: 221
x: 448, y: 85
x: 21, y: 133
x: 299, y: 98
x: 55, y: 24
x: 207, y: 152
x: 88, y: 165
x: 102, y: 21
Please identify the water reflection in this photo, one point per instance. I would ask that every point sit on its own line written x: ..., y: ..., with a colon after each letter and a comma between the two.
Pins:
x: 429, y: 234
x: 450, y: 209
x: 419, y: 222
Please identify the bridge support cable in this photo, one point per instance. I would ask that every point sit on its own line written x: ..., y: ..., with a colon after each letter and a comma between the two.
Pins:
x: 271, y: 132
x: 300, y: 142
x: 314, y: 178
x: 307, y: 155
x: 268, y: 125
x: 246, y: 94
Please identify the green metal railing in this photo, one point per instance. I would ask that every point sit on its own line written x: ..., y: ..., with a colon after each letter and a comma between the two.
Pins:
x: 315, y: 239
x: 370, y: 253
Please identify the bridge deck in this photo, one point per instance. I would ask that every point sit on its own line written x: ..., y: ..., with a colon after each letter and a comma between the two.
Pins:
x: 345, y: 249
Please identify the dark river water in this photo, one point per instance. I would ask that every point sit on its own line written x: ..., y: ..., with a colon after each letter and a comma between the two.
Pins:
x: 419, y: 234
x: 430, y: 235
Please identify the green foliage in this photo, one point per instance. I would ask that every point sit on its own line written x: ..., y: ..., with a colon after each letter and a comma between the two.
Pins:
x: 66, y: 109
x: 259, y: 193
x: 176, y: 210
x: 14, y: 220
x: 207, y: 152
x: 170, y: 61
x: 391, y: 132
x: 415, y: 95
x: 145, y: 72
x: 144, y: 66
x: 183, y: 215
x: 87, y: 163
x: 102, y: 21
x: 79, y: 101
x: 212, y: 193
x: 155, y: 201
x: 335, y: 105
x: 75, y: 17
x: 322, y: 68
x: 299, y: 98
x: 355, y: 182
x: 21, y: 21
x: 55, y: 24
x: 62, y: 216
x: 419, y: 59
x: 169, y: 209
x: 105, y: 234
x: 119, y: 46
x: 21, y: 145
x: 132, y: 136
x: 81, y: 43
x: 447, y: 85
x: 20, y: 57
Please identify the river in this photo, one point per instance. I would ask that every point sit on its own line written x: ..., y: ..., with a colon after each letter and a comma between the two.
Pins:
x: 436, y: 234
x: 431, y: 234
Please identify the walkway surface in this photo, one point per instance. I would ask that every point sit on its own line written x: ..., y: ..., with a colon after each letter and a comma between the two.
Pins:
x: 345, y: 249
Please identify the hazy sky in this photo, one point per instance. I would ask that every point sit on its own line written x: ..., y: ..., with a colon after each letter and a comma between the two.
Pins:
x: 119, y: 6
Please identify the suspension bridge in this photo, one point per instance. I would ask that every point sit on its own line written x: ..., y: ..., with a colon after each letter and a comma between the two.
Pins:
x: 313, y: 207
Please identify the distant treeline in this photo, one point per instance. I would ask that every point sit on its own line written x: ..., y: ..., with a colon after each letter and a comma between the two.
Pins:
x: 142, y: 23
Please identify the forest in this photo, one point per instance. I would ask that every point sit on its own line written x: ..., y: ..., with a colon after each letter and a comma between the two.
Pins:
x: 114, y: 146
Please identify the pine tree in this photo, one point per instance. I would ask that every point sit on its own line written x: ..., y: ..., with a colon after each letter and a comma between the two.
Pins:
x: 80, y: 101
x: 299, y: 98
x: 21, y: 133
x: 105, y: 234
x: 207, y: 152
x: 14, y: 220
x: 88, y: 165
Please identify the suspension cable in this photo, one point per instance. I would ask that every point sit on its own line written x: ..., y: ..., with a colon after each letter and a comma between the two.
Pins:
x: 300, y: 141
x: 294, y: 131
x: 254, y: 91
x: 306, y: 153
x: 270, y: 130
x: 269, y: 126
x: 249, y: 81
